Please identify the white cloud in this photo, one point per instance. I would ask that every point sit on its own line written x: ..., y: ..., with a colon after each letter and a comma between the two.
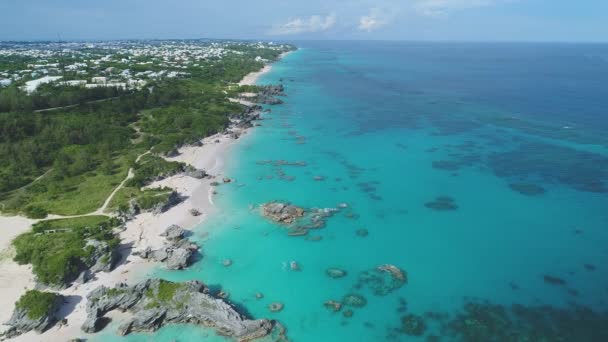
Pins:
x: 315, y: 23
x: 435, y: 8
x: 374, y: 20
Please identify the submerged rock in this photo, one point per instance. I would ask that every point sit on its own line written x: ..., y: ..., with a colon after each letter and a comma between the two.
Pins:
x: 354, y: 300
x: 335, y: 273
x: 362, y: 232
x: 553, y: 280
x: 155, y: 302
x: 275, y: 307
x: 413, y: 325
x: 333, y: 305
x: 442, y: 203
x: 383, y: 279
x: 527, y: 189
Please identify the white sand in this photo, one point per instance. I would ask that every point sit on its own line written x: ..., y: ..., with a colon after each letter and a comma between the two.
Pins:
x: 139, y: 233
x: 251, y: 78
x: 14, y: 279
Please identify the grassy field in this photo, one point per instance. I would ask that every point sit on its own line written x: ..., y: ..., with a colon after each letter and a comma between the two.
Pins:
x: 76, y: 195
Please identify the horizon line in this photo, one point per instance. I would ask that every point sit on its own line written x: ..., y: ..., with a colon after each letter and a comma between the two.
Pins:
x: 283, y: 40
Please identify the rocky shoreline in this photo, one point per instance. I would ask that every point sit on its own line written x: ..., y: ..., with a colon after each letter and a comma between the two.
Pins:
x: 155, y: 302
x: 176, y: 253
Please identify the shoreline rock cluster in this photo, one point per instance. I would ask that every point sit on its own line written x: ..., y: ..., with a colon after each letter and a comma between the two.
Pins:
x: 154, y: 303
x: 176, y: 254
x: 287, y: 214
x: 268, y: 94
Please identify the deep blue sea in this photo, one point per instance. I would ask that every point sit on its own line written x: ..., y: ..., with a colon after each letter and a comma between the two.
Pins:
x: 481, y: 170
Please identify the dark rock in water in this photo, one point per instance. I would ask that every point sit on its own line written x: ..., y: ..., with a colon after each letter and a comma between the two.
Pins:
x: 282, y: 212
x: 314, y: 238
x: 275, y: 307
x: 442, y: 203
x: 298, y: 232
x: 484, y: 321
x: 362, y: 232
x: 573, y: 292
x: 382, y: 280
x: 589, y: 267
x: 446, y: 165
x: 413, y: 325
x: 527, y: 189
x: 333, y: 305
x: 335, y: 273
x: 157, y: 302
x: 553, y: 280
x: 348, y: 313
x: 35, y: 310
x: 354, y: 300
x: 581, y: 170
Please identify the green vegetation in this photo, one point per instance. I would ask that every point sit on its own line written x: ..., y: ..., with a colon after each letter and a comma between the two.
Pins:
x: 36, y: 303
x: 164, y: 294
x: 68, y: 160
x: 57, y: 249
x: 75, y: 223
x: 150, y: 167
x: 145, y: 199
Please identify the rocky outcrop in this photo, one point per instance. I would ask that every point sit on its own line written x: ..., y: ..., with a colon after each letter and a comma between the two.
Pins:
x: 268, y: 94
x: 134, y: 208
x: 194, y: 212
x: 38, y: 319
x: 156, y: 302
x: 103, y: 257
x: 173, y: 232
x: 195, y: 173
x: 176, y: 253
x: 297, y: 219
x: 244, y: 119
x: 172, y: 200
x: 282, y: 212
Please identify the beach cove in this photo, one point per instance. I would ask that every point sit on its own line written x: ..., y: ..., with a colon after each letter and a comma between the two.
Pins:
x: 140, y: 233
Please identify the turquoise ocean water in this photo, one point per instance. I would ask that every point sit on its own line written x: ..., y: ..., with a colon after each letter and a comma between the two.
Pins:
x: 512, y: 133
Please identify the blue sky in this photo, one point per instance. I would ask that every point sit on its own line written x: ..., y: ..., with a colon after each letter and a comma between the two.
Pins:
x: 477, y: 20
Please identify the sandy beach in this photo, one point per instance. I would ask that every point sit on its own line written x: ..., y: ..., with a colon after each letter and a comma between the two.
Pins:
x: 141, y: 232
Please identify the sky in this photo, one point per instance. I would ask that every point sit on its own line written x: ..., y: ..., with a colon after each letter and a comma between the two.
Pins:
x: 289, y: 20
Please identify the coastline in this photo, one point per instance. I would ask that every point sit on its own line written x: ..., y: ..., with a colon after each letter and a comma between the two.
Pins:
x: 139, y: 233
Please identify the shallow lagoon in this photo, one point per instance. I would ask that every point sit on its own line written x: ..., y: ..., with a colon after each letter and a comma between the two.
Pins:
x: 371, y: 122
